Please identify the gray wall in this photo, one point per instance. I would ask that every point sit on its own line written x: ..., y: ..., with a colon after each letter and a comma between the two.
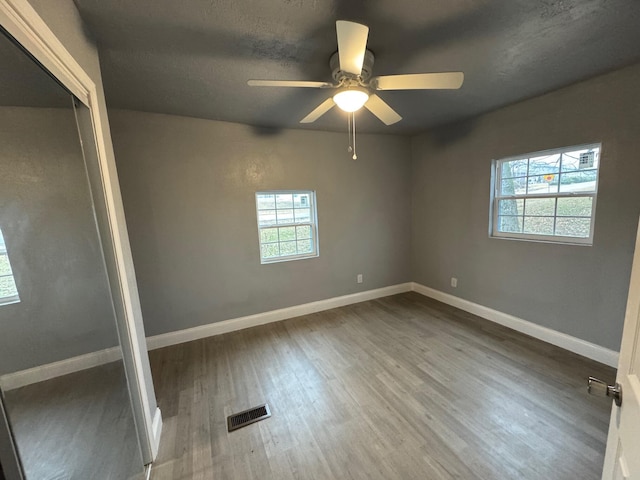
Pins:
x: 577, y: 290
x: 188, y: 187
x: 47, y: 220
x: 63, y: 18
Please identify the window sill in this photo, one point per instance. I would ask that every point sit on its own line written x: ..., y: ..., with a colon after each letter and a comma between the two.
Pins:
x: 9, y: 301
x: 288, y: 259
x: 543, y: 240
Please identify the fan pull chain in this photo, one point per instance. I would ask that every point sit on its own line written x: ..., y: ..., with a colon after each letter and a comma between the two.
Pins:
x: 355, y: 156
x: 350, y: 148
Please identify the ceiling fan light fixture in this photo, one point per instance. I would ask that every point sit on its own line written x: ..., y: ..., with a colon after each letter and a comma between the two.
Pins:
x: 351, y: 69
x: 351, y: 99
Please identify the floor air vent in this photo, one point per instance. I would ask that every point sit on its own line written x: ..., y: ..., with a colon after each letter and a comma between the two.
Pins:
x: 242, y: 419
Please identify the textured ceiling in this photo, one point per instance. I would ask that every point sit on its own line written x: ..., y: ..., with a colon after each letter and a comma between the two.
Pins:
x: 193, y: 57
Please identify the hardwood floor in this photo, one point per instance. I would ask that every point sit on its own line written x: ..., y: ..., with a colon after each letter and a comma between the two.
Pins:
x: 76, y: 427
x: 402, y: 387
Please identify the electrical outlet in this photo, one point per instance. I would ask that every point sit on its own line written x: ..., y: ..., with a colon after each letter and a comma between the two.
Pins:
x: 454, y: 282
x: 359, y: 278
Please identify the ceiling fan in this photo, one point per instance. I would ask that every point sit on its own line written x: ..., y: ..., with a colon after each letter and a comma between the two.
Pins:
x: 351, y: 69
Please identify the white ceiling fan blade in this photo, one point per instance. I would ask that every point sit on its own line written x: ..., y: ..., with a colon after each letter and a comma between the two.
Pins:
x: 380, y: 109
x: 288, y: 83
x: 352, y: 43
x: 420, y: 81
x: 323, y: 108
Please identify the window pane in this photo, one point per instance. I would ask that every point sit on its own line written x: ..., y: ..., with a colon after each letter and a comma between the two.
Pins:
x: 288, y: 248
x: 284, y: 200
x: 581, y: 181
x: 575, y: 206
x: 544, y: 165
x: 5, y: 268
x: 303, y: 232
x: 510, y: 224
x: 286, y: 225
x: 304, y: 246
x: 538, y: 225
x: 571, y: 161
x: 540, y: 207
x: 268, y: 235
x: 266, y: 217
x: 541, y: 184
x: 7, y: 282
x: 303, y: 215
x: 514, y: 186
x: 511, y: 207
x: 514, y: 168
x: 270, y: 250
x: 573, y: 227
x: 266, y: 201
x: 285, y: 216
x: 301, y: 200
x: 287, y: 233
x: 8, y: 287
x: 555, y: 194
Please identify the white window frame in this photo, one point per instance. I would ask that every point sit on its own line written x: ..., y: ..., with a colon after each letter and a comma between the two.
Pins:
x: 9, y: 298
x: 496, y: 182
x: 312, y: 223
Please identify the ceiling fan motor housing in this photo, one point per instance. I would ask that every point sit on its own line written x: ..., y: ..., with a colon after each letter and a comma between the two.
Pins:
x: 367, y: 67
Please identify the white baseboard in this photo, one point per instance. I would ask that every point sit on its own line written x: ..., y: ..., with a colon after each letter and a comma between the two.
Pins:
x: 226, y: 326
x: 22, y: 378
x: 45, y: 372
x: 156, y: 426
x: 562, y: 340
x: 82, y: 362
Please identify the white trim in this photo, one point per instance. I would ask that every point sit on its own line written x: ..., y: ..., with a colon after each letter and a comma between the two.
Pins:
x: 496, y: 197
x: 9, y: 300
x: 22, y: 378
x: 45, y: 372
x: 21, y: 20
x: 157, y: 432
x: 226, y: 326
x: 551, y: 151
x: 312, y: 223
x: 559, y: 339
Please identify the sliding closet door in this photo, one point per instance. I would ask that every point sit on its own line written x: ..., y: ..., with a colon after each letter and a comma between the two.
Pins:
x: 62, y: 377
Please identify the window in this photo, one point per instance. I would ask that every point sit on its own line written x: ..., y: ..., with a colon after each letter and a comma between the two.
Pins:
x: 546, y: 196
x: 8, y: 289
x: 287, y: 225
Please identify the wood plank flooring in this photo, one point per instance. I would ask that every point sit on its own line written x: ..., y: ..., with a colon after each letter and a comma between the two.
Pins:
x: 402, y: 387
x: 77, y: 427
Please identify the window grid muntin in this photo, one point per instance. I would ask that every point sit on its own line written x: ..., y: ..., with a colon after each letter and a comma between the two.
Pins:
x: 312, y: 224
x: 562, y: 152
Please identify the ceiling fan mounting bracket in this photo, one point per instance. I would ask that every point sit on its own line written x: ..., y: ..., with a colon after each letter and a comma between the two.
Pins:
x: 367, y: 68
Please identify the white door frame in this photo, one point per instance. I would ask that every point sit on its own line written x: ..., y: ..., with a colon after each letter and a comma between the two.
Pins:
x: 20, y: 19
